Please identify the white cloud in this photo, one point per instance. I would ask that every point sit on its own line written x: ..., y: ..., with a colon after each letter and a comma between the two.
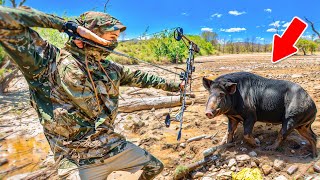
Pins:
x: 233, y: 29
x: 238, y: 40
x: 216, y: 15
x: 145, y: 37
x: 206, y: 29
x: 307, y: 37
x: 257, y: 26
x: 272, y: 30
x: 236, y: 13
x: 275, y: 24
x: 260, y: 38
x: 268, y: 10
x: 286, y: 24
x: 184, y: 14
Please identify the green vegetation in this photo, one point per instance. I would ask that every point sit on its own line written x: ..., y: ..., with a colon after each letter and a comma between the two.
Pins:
x: 53, y: 36
x: 180, y: 170
x: 2, y: 72
x: 2, y: 55
x: 161, y: 48
x: 307, y: 45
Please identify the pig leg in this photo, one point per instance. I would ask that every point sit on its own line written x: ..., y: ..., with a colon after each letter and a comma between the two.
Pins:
x: 232, y: 126
x: 306, y: 132
x: 286, y: 129
x: 248, y: 126
x: 281, y: 136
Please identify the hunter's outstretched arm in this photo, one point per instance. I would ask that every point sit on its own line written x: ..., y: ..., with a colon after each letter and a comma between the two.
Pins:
x: 22, y: 17
x: 145, y: 80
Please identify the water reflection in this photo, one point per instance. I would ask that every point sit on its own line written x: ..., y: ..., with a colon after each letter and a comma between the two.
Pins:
x: 23, y: 152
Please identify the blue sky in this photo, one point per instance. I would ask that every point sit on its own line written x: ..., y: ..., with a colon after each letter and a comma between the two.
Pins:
x: 230, y: 19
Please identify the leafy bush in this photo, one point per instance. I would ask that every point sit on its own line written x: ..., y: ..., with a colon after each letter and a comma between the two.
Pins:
x: 53, y: 36
x: 161, y: 48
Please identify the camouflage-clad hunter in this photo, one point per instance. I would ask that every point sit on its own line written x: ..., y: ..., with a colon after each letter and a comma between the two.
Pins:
x: 75, y: 92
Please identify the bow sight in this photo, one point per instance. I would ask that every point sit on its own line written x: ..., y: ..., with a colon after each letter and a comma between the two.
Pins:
x: 185, y: 76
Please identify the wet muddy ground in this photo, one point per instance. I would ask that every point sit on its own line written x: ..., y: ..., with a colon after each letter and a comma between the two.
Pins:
x: 26, y: 147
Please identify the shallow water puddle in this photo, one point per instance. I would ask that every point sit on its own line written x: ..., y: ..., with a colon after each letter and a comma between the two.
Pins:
x: 23, y: 154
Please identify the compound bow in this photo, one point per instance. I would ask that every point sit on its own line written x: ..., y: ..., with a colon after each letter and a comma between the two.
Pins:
x: 185, y: 76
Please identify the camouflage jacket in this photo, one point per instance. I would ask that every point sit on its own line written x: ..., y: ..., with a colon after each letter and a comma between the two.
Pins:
x: 60, y: 89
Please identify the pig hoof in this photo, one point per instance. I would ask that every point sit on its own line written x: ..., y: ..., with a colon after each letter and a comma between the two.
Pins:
x: 253, y: 143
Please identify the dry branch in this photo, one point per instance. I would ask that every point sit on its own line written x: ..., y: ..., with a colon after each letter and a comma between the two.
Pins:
x: 6, y: 80
x: 205, y: 160
x: 3, y: 138
x: 192, y: 95
x: 312, y: 26
x: 14, y: 168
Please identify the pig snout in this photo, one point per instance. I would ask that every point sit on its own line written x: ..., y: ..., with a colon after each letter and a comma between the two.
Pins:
x: 209, y: 114
x: 212, y: 113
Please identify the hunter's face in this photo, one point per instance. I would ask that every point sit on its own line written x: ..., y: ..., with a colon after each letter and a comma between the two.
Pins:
x: 111, y: 35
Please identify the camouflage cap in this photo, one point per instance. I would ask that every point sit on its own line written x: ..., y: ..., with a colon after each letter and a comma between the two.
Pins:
x: 100, y: 22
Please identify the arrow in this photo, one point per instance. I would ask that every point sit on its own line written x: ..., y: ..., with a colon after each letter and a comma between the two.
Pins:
x: 284, y: 46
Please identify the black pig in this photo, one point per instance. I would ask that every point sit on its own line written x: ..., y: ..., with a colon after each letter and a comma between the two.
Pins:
x: 247, y: 97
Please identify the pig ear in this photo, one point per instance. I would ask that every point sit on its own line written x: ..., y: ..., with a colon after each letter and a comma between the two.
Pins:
x: 206, y: 83
x: 231, y: 87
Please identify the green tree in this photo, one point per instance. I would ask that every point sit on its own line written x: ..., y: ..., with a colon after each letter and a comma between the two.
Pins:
x: 313, y: 46
x: 303, y: 45
x: 306, y: 45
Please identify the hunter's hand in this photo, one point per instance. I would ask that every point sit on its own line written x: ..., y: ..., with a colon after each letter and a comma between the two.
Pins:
x: 70, y: 26
x: 182, y: 85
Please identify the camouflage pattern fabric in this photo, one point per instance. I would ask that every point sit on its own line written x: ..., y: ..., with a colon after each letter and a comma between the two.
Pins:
x: 77, y: 127
x: 99, y: 22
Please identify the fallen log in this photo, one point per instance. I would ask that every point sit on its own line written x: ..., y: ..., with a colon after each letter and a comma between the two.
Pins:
x: 137, y: 104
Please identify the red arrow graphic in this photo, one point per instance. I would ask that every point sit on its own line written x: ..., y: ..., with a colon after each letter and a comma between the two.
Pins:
x: 284, y: 46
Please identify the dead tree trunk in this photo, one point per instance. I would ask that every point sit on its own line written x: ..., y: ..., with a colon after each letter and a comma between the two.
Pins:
x: 312, y: 26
